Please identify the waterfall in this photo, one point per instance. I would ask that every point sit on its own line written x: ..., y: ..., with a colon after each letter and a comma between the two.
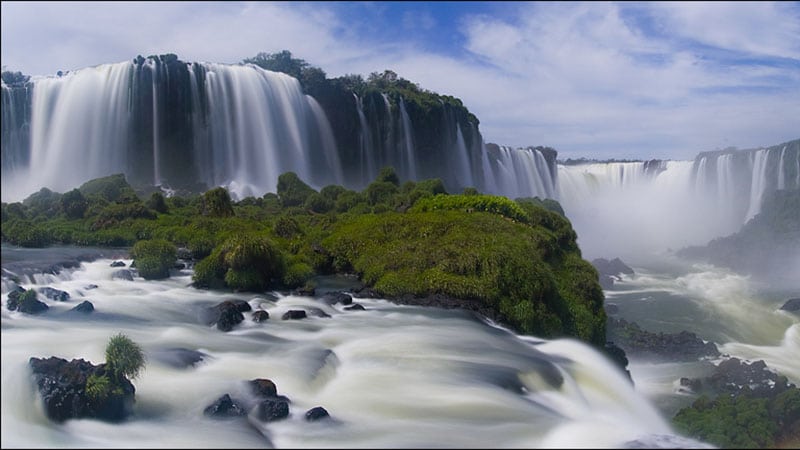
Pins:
x: 518, y: 172
x: 366, y: 162
x: 464, y: 175
x: 408, y: 164
x: 758, y: 183
x: 781, y: 177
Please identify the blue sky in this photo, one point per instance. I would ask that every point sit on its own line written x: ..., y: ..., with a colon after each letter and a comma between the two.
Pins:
x: 597, y: 79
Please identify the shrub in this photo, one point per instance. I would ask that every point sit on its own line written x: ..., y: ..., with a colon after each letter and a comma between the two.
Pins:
x: 292, y: 191
x: 286, y: 227
x: 154, y: 258
x: 98, y: 387
x: 332, y: 192
x: 74, y: 204
x: 380, y: 192
x: 113, y: 188
x: 43, y: 203
x: 216, y: 203
x: 487, y: 203
x: 244, y: 262
x: 124, y: 358
x: 388, y: 175
x: 297, y: 275
x: 157, y: 202
x: 318, y: 203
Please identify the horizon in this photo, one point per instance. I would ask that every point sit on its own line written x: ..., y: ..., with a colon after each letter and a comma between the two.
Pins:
x: 591, y: 80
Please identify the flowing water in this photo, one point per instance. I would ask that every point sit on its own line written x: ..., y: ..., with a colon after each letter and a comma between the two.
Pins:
x: 390, y: 376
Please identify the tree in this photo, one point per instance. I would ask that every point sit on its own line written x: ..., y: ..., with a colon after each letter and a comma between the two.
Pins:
x: 279, y: 62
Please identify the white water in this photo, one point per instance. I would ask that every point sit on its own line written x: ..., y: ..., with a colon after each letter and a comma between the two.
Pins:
x: 408, y: 164
x: 63, y: 153
x: 519, y: 172
x: 391, y: 376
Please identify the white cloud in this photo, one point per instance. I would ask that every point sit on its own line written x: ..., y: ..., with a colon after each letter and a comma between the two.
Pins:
x: 590, y: 79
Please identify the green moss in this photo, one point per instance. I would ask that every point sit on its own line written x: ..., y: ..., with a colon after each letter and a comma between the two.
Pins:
x: 468, y: 203
x: 247, y: 262
x: 98, y: 387
x: 154, y: 258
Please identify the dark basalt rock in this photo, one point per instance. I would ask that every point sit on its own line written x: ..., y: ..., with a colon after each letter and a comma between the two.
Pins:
x: 316, y: 413
x: 226, y: 314
x: 270, y: 410
x: 260, y: 315
x: 29, y: 306
x: 305, y: 291
x: 333, y: 298
x: 263, y: 388
x: 84, y: 307
x: 62, y: 386
x: 178, y: 357
x: 316, y: 312
x: 89, y: 287
x: 355, y: 307
x: 122, y: 274
x: 683, y: 346
x: 54, y: 294
x: 224, y: 407
x: 117, y: 264
x: 793, y: 305
x: 13, y: 298
x: 610, y: 271
x: 294, y: 314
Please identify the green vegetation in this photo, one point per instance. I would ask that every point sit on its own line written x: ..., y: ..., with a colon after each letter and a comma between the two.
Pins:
x: 154, y: 258
x: 98, y: 387
x: 742, y: 421
x: 124, y: 358
x: 516, y: 260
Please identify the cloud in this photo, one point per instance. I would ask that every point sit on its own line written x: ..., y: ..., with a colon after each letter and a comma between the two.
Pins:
x: 590, y: 79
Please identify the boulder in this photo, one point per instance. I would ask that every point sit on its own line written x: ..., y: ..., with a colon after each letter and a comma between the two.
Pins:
x: 178, y: 357
x: 260, y: 315
x: 294, y: 314
x: 355, y: 307
x: 226, y: 314
x: 122, y: 274
x: 84, y: 307
x: 263, y: 388
x: 54, y: 294
x: 224, y: 407
x: 792, y: 305
x: 270, y: 410
x: 13, y: 298
x: 316, y: 413
x: 333, y: 298
x: 117, y: 264
x: 683, y: 346
x: 62, y: 386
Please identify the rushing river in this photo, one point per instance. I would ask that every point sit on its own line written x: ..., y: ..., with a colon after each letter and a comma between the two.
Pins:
x: 390, y: 376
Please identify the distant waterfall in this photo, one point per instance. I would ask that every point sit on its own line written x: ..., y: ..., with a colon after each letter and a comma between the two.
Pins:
x: 519, y: 172
x: 167, y: 122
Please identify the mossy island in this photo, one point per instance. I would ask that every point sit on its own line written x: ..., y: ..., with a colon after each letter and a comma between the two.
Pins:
x: 514, y: 261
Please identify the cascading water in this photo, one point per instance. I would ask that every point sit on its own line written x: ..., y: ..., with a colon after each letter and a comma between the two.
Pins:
x: 408, y: 166
x: 518, y: 172
x: 367, y: 168
x: 455, y: 381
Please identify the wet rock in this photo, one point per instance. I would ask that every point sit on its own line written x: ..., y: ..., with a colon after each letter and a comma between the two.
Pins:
x: 89, y: 287
x: 54, y: 294
x: 610, y: 271
x: 117, y: 264
x: 226, y: 314
x: 683, y: 346
x: 260, y: 315
x: 316, y: 312
x: 316, y: 413
x: 333, y: 298
x: 355, y: 307
x: 294, y: 314
x: 263, y: 388
x: 305, y: 291
x: 122, y: 274
x: 270, y: 410
x: 224, y: 407
x: 62, y: 386
x: 84, y: 307
x: 13, y: 298
x: 178, y: 357
x: 792, y: 305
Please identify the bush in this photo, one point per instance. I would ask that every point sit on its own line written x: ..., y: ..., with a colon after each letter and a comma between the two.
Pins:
x: 318, y: 203
x: 124, y: 358
x: 44, y: 203
x: 388, y: 175
x: 297, y: 275
x: 98, y: 387
x: 154, y: 258
x: 157, y: 202
x: 74, y: 204
x: 286, y: 227
x: 216, y: 203
x: 380, y: 192
x: 113, y: 188
x: 468, y: 203
x: 245, y: 262
x: 292, y: 191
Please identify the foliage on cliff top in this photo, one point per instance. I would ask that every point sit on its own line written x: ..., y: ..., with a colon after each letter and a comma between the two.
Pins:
x: 403, y: 238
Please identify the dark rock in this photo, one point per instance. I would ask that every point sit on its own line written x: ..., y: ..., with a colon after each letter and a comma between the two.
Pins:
x: 333, y: 298
x: 316, y: 413
x: 269, y: 410
x: 366, y: 292
x: 224, y: 407
x: 294, y: 314
x: 683, y: 346
x: 260, y: 315
x: 117, y: 264
x: 62, y: 386
x: 85, y: 307
x: 263, y: 388
x: 611, y: 308
x: 226, y: 314
x: 693, y: 385
x: 122, y: 274
x: 617, y: 355
x: 89, y: 287
x: 316, y: 312
x: 606, y: 281
x: 793, y: 305
x: 13, y: 298
x: 179, y: 266
x: 178, y: 357
x: 355, y: 307
x: 184, y: 253
x: 610, y: 271
x: 54, y: 294
x: 31, y: 305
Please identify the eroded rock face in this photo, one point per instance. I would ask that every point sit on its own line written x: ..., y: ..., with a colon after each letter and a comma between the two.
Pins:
x: 683, y: 346
x: 226, y: 314
x: 62, y: 385
x: 792, y: 305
